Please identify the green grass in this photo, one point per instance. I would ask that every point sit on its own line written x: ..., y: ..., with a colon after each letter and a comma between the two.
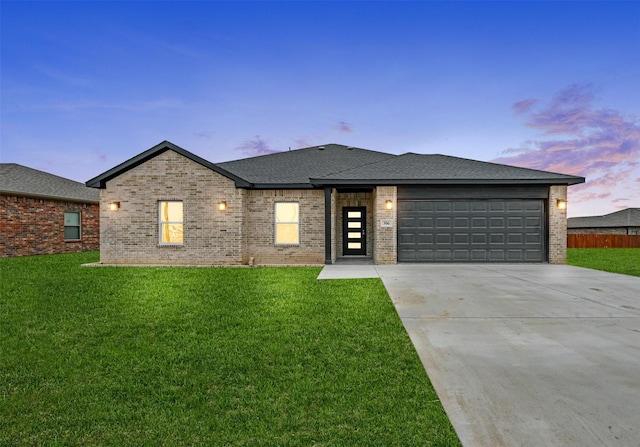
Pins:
x: 205, y: 356
x: 616, y: 260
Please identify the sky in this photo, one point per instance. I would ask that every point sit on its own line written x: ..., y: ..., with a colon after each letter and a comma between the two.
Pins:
x: 86, y: 85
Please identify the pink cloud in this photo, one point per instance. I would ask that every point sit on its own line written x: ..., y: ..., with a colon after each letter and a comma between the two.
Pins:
x: 523, y: 106
x: 255, y: 147
x: 344, y: 126
x: 602, y: 145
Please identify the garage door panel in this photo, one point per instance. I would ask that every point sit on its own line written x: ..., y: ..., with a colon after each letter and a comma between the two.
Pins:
x: 510, y: 230
x: 425, y: 222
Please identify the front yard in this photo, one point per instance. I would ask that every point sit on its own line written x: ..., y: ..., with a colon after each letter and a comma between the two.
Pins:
x: 206, y: 356
x: 616, y: 260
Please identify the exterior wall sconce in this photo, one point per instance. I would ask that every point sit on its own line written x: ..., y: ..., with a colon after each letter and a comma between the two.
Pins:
x: 114, y: 206
x: 222, y: 205
x: 561, y: 204
x: 388, y: 204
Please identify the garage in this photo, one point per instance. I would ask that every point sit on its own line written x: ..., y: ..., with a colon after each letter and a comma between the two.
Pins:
x: 472, y: 224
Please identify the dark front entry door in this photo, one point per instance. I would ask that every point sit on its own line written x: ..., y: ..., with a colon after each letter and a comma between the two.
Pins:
x: 354, y: 220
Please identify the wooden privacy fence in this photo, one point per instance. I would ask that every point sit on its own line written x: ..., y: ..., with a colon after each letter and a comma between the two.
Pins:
x: 603, y: 241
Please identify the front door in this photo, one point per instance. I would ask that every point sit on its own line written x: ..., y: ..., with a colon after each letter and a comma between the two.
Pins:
x: 354, y: 220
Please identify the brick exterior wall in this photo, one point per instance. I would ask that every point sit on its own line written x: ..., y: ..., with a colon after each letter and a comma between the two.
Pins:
x: 130, y: 235
x: 385, y: 237
x: 260, y: 222
x: 603, y: 230
x: 33, y: 226
x: 557, y: 225
x: 354, y: 199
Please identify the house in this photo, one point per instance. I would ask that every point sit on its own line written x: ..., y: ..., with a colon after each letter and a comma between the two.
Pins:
x: 319, y: 204
x: 625, y: 221
x: 41, y: 213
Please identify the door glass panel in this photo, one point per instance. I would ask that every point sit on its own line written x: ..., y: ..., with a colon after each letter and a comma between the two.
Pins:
x: 354, y: 245
x: 354, y: 224
x: 354, y: 235
x: 354, y: 214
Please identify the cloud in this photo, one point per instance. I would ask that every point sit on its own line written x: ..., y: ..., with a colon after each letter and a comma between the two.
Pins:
x: 205, y: 134
x: 344, y: 126
x: 255, y: 147
x: 602, y: 145
x: 524, y: 106
x: 101, y: 156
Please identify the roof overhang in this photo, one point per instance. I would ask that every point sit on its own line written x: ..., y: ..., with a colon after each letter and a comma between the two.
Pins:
x: 390, y: 182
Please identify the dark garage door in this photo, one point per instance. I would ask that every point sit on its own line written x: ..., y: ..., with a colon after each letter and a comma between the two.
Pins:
x: 471, y: 230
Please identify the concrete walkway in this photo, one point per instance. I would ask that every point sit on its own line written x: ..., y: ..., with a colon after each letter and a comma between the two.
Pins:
x: 526, y: 355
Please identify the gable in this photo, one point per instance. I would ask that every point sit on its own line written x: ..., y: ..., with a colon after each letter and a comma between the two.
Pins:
x: 100, y: 181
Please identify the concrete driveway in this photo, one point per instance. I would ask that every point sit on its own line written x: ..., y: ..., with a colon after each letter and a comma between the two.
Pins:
x: 526, y: 355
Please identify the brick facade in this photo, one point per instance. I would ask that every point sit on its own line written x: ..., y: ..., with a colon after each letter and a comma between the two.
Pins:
x: 260, y: 224
x: 130, y: 235
x: 245, y: 230
x: 385, y: 225
x: 244, y: 233
x: 35, y: 226
x: 557, y: 225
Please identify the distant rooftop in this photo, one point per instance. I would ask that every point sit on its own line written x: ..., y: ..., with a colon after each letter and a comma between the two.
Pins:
x: 20, y: 180
x: 629, y: 217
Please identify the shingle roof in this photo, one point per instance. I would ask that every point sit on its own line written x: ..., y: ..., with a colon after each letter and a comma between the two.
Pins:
x: 629, y: 217
x: 420, y: 168
x: 298, y: 166
x: 335, y: 164
x: 20, y: 180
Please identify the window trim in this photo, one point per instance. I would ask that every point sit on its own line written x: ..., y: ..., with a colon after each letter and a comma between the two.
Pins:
x: 276, y: 223
x: 161, y: 223
x: 79, y: 226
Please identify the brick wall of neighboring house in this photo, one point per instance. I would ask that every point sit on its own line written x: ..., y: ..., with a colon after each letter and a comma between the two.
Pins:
x: 354, y: 199
x: 260, y: 221
x: 34, y: 226
x: 386, y: 225
x: 557, y: 226
x: 605, y: 230
x: 131, y: 234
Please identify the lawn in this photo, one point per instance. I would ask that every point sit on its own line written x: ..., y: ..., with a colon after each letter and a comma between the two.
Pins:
x: 617, y: 260
x: 206, y: 356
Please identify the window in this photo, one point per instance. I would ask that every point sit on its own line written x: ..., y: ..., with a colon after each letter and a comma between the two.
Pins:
x: 171, y: 223
x: 287, y: 223
x: 72, y: 226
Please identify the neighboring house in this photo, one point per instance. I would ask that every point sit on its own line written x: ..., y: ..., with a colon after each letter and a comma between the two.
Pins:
x: 318, y: 204
x: 625, y: 221
x: 42, y: 213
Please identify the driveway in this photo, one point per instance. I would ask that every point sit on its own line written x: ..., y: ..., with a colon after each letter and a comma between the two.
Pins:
x: 526, y: 355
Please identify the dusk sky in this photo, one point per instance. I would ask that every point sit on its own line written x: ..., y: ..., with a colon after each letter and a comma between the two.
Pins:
x: 547, y: 85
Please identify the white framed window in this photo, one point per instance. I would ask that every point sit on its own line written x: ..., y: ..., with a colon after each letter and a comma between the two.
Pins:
x: 72, y: 221
x: 287, y: 223
x: 171, y: 222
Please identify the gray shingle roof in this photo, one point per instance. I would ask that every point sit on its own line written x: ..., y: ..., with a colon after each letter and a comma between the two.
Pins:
x: 298, y: 166
x: 435, y: 168
x: 629, y: 217
x: 20, y: 180
x: 336, y: 164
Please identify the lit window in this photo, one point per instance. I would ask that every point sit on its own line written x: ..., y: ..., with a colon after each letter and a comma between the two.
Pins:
x: 171, y: 223
x: 72, y: 226
x: 287, y: 223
